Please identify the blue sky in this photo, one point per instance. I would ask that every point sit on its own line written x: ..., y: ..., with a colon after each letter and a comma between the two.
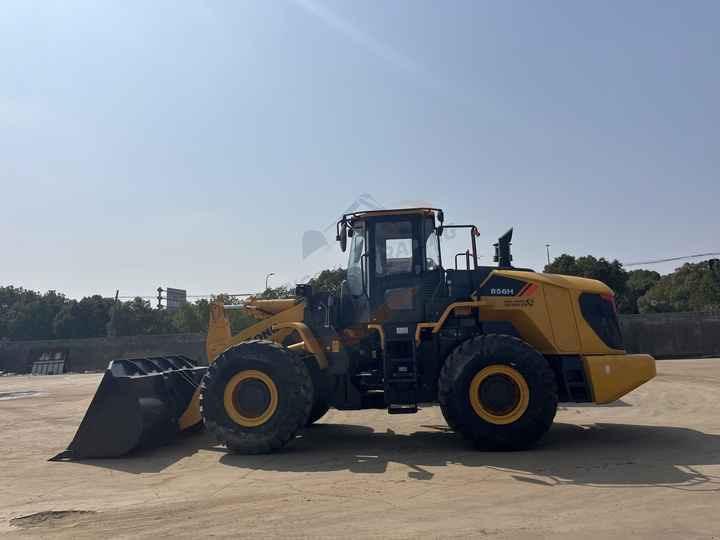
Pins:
x: 191, y: 144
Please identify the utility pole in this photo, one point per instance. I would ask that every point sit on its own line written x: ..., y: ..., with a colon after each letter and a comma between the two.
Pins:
x: 111, y: 327
x: 547, y: 250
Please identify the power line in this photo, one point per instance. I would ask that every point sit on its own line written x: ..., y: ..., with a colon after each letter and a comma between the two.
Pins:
x: 219, y: 294
x: 154, y: 296
x: 670, y: 259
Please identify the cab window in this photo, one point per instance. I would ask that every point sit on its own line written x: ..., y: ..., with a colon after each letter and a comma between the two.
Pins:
x: 394, y: 246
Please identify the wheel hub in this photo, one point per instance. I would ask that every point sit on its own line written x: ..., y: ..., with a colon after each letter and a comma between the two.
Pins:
x: 499, y: 394
x: 251, y: 398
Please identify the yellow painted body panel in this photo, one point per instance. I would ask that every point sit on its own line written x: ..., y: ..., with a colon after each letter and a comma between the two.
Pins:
x: 529, y: 318
x: 310, y: 344
x: 379, y: 329
x: 549, y: 319
x: 562, y: 321
x: 191, y: 417
x: 262, y: 309
x: 220, y: 338
x: 219, y: 332
x: 614, y: 375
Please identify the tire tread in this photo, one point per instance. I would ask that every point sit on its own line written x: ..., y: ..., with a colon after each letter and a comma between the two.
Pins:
x: 253, y: 440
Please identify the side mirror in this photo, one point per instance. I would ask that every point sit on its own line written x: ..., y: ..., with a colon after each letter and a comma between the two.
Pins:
x: 342, y: 237
x: 441, y: 216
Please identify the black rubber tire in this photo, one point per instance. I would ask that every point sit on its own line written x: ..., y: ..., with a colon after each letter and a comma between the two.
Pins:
x: 295, y: 397
x: 321, y: 388
x: 472, y: 356
x: 319, y: 409
x: 449, y: 418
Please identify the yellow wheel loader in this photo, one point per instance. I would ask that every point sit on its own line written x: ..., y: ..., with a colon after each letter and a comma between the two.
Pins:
x: 496, y: 346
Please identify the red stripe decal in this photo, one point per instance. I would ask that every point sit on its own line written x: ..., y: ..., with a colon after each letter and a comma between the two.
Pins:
x: 530, y: 290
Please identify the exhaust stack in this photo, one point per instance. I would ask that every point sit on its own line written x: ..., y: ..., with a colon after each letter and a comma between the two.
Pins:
x: 502, y: 250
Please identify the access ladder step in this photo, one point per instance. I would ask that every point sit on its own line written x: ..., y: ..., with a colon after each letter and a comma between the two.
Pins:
x: 402, y: 408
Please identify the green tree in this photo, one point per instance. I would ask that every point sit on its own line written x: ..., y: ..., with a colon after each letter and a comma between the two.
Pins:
x: 26, y: 314
x: 31, y: 316
x: 239, y: 319
x: 273, y: 293
x: 11, y: 300
x: 137, y: 317
x: 638, y: 284
x: 692, y: 287
x: 328, y: 281
x: 83, y: 319
x: 564, y: 264
x: 191, y: 317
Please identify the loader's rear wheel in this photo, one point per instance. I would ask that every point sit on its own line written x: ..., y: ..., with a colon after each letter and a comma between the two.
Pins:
x: 256, y: 397
x: 449, y: 418
x: 498, y: 392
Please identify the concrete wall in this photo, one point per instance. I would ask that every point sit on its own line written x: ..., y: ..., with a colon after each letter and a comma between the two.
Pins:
x: 672, y: 334
x: 94, y: 354
x: 662, y: 335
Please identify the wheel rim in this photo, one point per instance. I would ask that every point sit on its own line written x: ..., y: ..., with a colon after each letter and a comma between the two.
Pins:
x: 499, y: 394
x: 250, y: 398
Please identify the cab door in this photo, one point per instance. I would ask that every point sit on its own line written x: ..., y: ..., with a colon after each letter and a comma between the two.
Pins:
x: 395, y: 268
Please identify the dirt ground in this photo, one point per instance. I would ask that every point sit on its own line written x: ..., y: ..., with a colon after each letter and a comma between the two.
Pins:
x: 646, y: 467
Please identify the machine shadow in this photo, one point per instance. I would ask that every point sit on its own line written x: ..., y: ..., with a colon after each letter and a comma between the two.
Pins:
x: 602, y: 455
x: 599, y: 454
x: 154, y: 460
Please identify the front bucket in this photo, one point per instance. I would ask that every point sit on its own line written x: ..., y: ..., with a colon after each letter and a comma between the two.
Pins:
x: 137, y: 405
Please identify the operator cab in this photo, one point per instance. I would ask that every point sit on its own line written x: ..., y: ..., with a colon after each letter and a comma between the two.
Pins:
x: 395, y: 269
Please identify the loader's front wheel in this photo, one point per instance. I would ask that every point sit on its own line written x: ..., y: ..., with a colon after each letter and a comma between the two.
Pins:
x: 319, y: 409
x: 498, y: 391
x: 321, y: 390
x: 256, y: 397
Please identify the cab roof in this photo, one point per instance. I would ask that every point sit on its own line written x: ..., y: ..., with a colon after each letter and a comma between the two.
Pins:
x: 389, y: 212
